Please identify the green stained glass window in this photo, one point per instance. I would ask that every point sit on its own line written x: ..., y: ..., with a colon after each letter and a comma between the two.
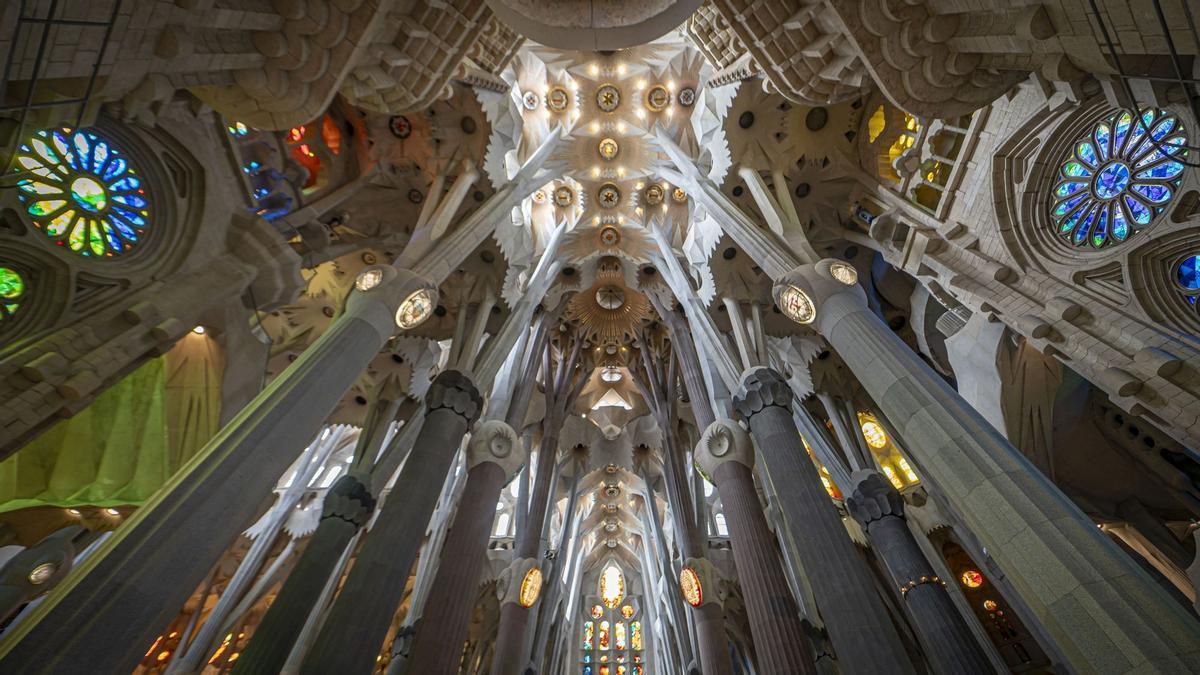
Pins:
x: 82, y: 192
x: 12, y: 290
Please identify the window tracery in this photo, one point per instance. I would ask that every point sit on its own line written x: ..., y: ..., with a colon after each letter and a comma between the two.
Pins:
x: 82, y: 192
x: 1116, y: 179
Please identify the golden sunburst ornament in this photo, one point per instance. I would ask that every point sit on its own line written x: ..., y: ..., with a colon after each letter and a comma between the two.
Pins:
x: 608, y: 149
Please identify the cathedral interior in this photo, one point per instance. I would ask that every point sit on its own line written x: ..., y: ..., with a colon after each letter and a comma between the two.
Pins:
x: 589, y: 337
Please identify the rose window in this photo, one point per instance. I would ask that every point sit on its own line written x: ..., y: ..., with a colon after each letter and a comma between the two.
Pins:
x: 1115, y: 180
x: 82, y: 192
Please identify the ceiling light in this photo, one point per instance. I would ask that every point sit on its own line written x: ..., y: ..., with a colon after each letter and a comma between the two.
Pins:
x: 368, y: 279
x: 112, y: 512
x: 198, y: 330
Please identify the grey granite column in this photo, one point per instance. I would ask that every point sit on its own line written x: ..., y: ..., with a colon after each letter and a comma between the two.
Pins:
x: 859, y: 628
x: 347, y: 507
x: 944, y: 635
x: 102, y: 617
x: 494, y: 455
x: 726, y: 453
x: 1103, y: 611
x: 358, y: 620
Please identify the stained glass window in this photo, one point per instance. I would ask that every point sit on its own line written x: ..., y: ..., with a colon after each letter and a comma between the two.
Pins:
x: 603, y: 635
x: 612, y: 586
x: 597, y: 611
x: 587, y: 670
x: 82, y: 192
x: 589, y: 630
x: 1187, y: 276
x: 635, y: 637
x: 619, y: 635
x: 12, y: 289
x: 1118, y: 177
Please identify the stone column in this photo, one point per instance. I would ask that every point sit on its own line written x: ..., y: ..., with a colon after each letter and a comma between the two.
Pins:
x: 1103, y: 611
x: 100, y: 615
x: 347, y: 507
x: 859, y: 628
x: 726, y: 453
x: 494, y: 455
x: 358, y: 620
x: 944, y: 635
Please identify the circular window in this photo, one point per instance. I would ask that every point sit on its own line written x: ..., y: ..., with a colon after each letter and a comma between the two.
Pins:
x: 654, y: 194
x: 530, y: 100
x: 608, y: 196
x: 563, y: 196
x: 12, y: 290
x: 608, y: 98
x: 608, y: 149
x: 558, y: 99
x: 1187, y: 278
x: 400, y: 127
x: 82, y: 192
x: 687, y: 96
x: 658, y: 98
x: 1115, y: 180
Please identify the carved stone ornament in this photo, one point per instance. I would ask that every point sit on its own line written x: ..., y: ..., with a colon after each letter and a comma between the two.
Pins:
x: 761, y: 388
x: 873, y: 498
x: 496, y: 442
x: 723, y: 441
x: 349, y: 499
x: 454, y: 391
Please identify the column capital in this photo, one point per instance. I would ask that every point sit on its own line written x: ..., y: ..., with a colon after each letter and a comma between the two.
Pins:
x: 453, y: 390
x: 700, y: 583
x: 761, y: 388
x: 723, y: 441
x: 802, y: 293
x: 496, y: 442
x: 873, y: 498
x: 520, y: 583
x: 391, y: 298
x: 349, y: 499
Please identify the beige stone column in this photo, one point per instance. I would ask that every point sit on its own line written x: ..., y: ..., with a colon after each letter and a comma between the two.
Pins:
x: 1103, y: 612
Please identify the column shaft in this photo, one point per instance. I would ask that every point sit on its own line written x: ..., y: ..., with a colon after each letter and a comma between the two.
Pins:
x: 774, y: 618
x: 442, y: 629
x: 510, y: 639
x: 1055, y: 557
x: 944, y: 635
x: 845, y: 590
x: 99, y: 619
x: 347, y: 506
x: 358, y: 621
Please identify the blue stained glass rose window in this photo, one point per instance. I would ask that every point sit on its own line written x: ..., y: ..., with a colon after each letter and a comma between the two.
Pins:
x: 1115, y: 180
x: 82, y: 192
x: 1187, y: 277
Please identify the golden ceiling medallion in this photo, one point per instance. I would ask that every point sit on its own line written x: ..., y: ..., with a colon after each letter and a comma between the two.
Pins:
x: 530, y: 100
x: 658, y: 98
x: 608, y: 98
x: 679, y: 195
x: 539, y: 197
x: 564, y: 196
x: 609, y: 312
x: 557, y: 100
x: 654, y: 194
x: 609, y: 149
x: 610, y: 236
x: 609, y: 196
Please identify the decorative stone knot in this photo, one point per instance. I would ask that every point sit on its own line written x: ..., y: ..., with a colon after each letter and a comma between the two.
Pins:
x: 873, y: 498
x: 761, y: 388
x: 496, y: 442
x: 920, y: 581
x: 349, y: 499
x: 454, y: 391
x: 723, y: 441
